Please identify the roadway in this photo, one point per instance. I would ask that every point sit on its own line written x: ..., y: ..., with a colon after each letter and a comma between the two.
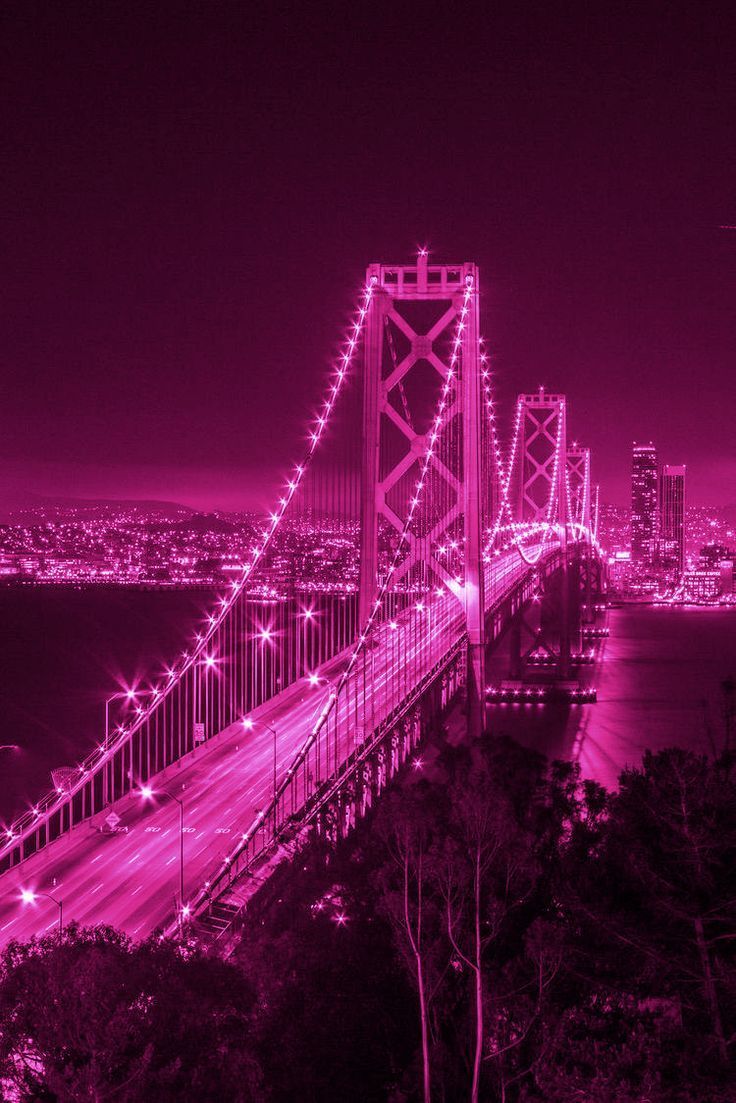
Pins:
x: 130, y: 878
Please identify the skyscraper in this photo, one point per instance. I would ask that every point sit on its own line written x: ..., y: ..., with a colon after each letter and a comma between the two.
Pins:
x: 644, y: 504
x: 672, y: 519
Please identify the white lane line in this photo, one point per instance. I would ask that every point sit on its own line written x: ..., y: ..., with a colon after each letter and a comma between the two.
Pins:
x: 135, y: 893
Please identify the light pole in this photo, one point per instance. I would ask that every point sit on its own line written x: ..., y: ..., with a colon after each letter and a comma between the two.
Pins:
x: 249, y: 724
x: 147, y: 793
x: 333, y: 693
x: 107, y: 773
x: 128, y: 695
x: 316, y: 680
x: 28, y: 896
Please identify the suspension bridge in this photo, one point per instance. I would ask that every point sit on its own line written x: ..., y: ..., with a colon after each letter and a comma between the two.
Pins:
x: 412, y: 535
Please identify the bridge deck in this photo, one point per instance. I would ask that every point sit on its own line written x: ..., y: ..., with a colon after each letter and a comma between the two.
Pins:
x: 130, y: 878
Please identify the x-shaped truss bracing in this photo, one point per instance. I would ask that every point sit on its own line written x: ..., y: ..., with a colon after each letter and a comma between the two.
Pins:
x: 543, y: 441
x: 386, y: 402
x: 578, y: 481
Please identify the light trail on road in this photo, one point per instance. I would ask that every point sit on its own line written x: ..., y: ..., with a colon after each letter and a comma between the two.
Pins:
x: 129, y: 878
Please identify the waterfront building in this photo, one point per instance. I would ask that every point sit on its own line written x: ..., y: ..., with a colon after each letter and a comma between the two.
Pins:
x: 644, y: 505
x: 702, y: 585
x: 672, y: 519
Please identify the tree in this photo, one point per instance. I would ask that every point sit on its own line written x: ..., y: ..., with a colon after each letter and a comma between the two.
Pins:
x: 407, y: 824
x: 650, y: 910
x: 486, y: 871
x: 91, y: 1016
x: 335, y: 1010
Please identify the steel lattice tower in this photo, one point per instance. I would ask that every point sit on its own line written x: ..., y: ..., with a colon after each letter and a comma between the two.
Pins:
x: 398, y: 339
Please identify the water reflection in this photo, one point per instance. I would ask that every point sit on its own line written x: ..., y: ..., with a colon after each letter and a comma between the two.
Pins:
x: 659, y: 684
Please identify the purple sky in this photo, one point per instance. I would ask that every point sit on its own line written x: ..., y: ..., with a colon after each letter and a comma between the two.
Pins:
x: 191, y: 192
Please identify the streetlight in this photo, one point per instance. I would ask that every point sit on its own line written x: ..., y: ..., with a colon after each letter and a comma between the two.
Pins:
x: 128, y: 695
x: 315, y: 680
x: 249, y: 724
x: 107, y: 771
x: 147, y: 793
x: 28, y: 896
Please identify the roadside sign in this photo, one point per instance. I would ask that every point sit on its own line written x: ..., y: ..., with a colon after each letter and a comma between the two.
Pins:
x: 199, y: 733
x: 112, y: 820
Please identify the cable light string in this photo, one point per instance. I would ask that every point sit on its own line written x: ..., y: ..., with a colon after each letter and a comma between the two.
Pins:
x: 585, y: 529
x: 573, y: 522
x: 100, y: 757
x: 504, y: 481
x: 595, y: 514
x: 341, y: 683
x: 505, y: 470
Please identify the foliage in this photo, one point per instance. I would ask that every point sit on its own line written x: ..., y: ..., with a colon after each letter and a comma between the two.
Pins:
x: 93, y: 1016
x: 500, y: 930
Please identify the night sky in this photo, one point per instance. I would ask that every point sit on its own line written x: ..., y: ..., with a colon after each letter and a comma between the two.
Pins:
x: 191, y: 192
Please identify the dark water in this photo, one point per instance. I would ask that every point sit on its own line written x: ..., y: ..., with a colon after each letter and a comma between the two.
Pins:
x: 62, y: 652
x: 659, y: 685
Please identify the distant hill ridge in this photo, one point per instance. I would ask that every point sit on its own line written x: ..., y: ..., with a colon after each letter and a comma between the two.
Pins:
x: 38, y: 503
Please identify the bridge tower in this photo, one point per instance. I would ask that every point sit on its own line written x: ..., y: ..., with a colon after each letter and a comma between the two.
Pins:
x: 414, y: 314
x: 579, y: 506
x: 542, y: 487
x: 578, y: 478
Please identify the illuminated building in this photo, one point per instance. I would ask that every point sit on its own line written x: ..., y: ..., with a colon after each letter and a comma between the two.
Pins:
x: 644, y: 504
x: 672, y: 519
x: 702, y: 585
